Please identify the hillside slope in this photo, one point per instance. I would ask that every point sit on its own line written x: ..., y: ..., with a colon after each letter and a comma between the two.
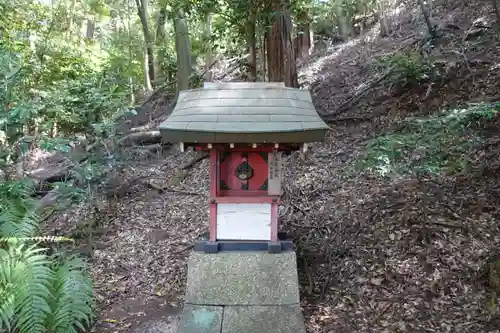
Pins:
x: 400, y: 254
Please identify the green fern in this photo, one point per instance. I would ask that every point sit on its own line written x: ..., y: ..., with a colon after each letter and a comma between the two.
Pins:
x: 26, y: 277
x: 71, y: 301
x: 38, y: 293
x: 17, y: 210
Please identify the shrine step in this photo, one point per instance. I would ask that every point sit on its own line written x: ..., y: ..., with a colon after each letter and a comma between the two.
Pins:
x: 242, y: 278
x: 242, y: 319
x: 242, y: 292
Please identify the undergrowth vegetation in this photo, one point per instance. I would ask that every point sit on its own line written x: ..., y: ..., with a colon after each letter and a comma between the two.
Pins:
x: 42, y: 289
x: 406, y: 69
x: 442, y: 144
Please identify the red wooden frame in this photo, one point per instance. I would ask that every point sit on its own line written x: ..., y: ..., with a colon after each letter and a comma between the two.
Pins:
x: 243, y: 147
x: 218, y: 196
x: 214, y: 169
x: 230, y: 163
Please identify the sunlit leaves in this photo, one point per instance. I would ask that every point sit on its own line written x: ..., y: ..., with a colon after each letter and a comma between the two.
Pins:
x: 433, y: 145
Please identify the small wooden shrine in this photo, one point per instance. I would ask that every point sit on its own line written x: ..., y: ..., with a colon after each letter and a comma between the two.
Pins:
x: 245, y: 127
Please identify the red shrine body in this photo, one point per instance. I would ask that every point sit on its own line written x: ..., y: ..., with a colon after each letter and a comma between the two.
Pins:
x: 245, y: 185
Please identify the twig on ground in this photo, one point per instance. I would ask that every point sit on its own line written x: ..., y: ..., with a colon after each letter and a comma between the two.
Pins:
x: 162, y: 189
x: 356, y: 97
x: 194, y: 161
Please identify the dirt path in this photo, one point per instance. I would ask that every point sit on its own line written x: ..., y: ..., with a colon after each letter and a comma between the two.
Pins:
x: 139, y: 268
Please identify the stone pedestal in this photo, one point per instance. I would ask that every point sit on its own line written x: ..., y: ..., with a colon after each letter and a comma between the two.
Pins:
x: 242, y: 292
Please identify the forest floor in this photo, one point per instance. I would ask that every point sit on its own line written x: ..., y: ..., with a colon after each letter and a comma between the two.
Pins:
x: 375, y: 255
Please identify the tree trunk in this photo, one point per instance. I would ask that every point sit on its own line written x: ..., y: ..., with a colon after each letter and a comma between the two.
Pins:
x: 280, y: 53
x: 311, y: 39
x: 275, y: 72
x: 385, y: 24
x: 342, y: 24
x: 251, y: 42
x: 183, y: 52
x: 263, y: 59
x: 70, y: 17
x: 208, y: 47
x: 160, y: 41
x: 290, y: 66
x: 90, y: 30
x: 145, y: 68
x: 303, y: 41
x: 142, y: 11
x: 497, y: 11
x: 427, y: 18
x: 130, y: 44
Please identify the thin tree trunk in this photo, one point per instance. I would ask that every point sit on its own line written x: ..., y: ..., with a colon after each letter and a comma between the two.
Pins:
x: 183, y: 52
x: 160, y: 41
x: 342, y: 21
x: 303, y: 39
x: 208, y: 46
x: 427, y: 18
x: 311, y: 38
x: 90, y: 30
x: 130, y: 44
x: 290, y: 65
x: 264, y: 55
x: 497, y: 11
x: 385, y: 24
x: 142, y: 11
x: 251, y: 42
x: 70, y: 17
x: 145, y: 68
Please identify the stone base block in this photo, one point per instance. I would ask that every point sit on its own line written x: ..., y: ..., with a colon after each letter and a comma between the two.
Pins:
x: 260, y: 319
x: 242, y: 278
x: 201, y: 319
x: 241, y: 319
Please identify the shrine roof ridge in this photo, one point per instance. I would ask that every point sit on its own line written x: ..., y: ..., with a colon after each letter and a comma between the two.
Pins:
x: 243, y: 112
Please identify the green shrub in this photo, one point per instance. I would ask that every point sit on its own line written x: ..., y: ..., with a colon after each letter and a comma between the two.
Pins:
x: 408, y: 69
x: 434, y: 145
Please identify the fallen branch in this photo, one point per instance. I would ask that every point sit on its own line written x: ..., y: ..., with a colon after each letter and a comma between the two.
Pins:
x: 350, y: 102
x: 447, y: 225
x: 136, y: 138
x: 154, y: 147
x: 162, y: 189
x: 194, y: 161
x: 356, y: 97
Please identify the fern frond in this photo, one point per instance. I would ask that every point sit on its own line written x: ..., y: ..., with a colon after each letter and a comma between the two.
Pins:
x: 6, y: 290
x: 72, y: 299
x: 31, y: 278
x: 18, y: 216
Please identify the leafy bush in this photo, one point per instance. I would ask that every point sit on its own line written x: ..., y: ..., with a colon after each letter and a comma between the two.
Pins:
x: 407, y: 69
x: 433, y: 145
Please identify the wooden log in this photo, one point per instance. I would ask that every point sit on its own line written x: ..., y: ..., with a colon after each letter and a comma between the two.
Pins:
x: 137, y: 138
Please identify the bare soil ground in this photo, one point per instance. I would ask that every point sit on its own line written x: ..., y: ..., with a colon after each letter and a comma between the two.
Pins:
x: 374, y: 255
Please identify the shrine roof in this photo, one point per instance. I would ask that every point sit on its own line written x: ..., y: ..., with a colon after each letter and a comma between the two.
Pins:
x: 244, y: 113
